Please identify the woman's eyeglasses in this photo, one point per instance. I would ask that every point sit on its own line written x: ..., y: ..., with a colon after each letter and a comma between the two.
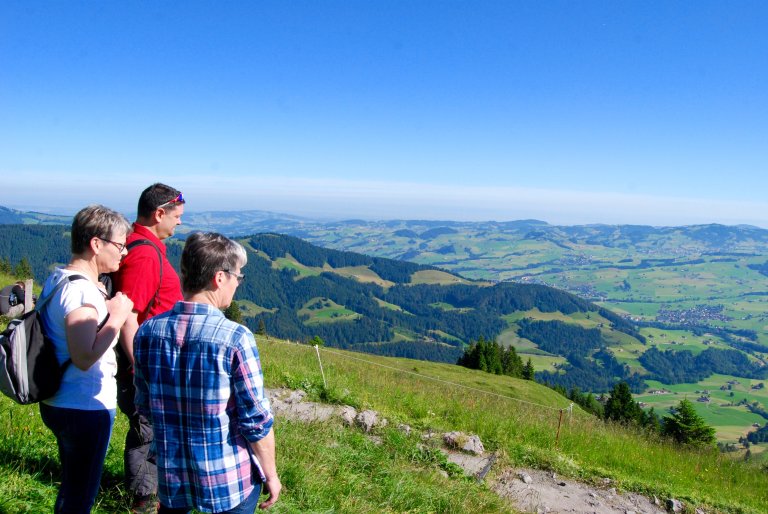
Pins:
x: 239, y: 277
x: 120, y: 246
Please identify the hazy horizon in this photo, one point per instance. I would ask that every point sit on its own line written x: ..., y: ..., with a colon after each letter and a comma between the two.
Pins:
x: 649, y: 113
x: 325, y: 217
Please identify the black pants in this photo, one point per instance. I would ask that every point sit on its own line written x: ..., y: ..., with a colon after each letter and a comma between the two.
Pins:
x: 139, y: 459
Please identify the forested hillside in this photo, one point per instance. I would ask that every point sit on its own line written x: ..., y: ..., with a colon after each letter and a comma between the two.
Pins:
x: 298, y: 291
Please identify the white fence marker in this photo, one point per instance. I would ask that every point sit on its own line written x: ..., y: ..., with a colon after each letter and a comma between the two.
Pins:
x: 317, y: 349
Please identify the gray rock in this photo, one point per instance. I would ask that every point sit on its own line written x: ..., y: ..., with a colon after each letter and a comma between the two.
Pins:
x: 463, y: 442
x: 674, y: 505
x: 305, y: 412
x: 525, y: 477
x: 367, y: 420
x: 347, y: 415
x: 296, y: 396
x: 472, y: 465
x: 406, y: 429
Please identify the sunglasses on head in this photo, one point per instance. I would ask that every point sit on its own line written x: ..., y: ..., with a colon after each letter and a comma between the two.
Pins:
x: 179, y: 199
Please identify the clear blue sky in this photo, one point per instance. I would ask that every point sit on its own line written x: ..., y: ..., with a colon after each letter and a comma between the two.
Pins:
x: 650, y: 112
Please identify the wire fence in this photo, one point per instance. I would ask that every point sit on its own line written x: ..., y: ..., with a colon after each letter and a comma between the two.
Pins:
x: 346, y: 355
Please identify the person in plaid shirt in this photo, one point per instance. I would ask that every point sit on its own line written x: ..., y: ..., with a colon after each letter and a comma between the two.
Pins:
x: 198, y: 379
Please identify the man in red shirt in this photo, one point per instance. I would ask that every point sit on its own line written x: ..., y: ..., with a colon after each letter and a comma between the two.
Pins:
x: 149, y: 280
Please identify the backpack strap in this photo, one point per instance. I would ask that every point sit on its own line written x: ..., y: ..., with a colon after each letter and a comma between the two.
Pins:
x: 138, y: 242
x: 42, y: 301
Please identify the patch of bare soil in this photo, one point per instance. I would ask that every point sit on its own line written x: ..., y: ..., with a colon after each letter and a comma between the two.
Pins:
x: 536, y: 491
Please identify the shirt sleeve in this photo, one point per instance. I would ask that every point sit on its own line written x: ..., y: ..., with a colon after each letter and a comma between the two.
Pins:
x: 139, y: 276
x: 253, y: 408
x: 80, y: 293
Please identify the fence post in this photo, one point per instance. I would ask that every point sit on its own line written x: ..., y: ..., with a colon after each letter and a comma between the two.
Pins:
x: 28, y: 303
x: 317, y: 350
x: 559, y: 423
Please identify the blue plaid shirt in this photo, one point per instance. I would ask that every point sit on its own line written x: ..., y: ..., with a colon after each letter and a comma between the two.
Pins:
x: 198, y: 379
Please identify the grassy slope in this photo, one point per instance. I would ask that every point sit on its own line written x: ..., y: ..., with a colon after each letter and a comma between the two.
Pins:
x: 522, y: 433
x: 328, y: 468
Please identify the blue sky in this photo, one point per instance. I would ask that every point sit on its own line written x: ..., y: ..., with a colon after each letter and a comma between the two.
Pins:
x: 650, y: 112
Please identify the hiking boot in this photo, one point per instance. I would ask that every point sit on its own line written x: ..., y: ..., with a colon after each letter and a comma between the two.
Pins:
x: 145, y: 504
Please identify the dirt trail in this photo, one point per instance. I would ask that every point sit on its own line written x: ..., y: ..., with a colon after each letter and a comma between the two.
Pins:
x: 529, y: 490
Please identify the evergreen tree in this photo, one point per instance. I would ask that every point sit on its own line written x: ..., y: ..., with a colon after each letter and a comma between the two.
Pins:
x: 621, y: 406
x: 233, y: 313
x: 512, y: 364
x: 23, y: 269
x: 592, y: 405
x: 651, y: 421
x: 686, y: 427
x: 262, y: 330
x: 488, y: 356
x: 5, y: 266
x: 528, y: 371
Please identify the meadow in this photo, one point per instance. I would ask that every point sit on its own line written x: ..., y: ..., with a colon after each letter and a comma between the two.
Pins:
x: 326, y: 467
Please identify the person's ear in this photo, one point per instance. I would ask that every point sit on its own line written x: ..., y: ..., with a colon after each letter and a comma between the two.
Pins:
x: 158, y: 214
x: 218, y: 279
x: 95, y: 245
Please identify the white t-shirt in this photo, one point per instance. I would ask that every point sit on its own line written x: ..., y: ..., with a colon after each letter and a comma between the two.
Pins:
x: 95, y: 388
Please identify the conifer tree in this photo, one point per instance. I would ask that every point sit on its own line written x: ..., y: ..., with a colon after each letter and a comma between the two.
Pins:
x: 512, y: 364
x: 5, y: 266
x: 621, y: 406
x: 528, y: 371
x: 650, y: 420
x: 233, y: 313
x: 23, y: 269
x: 686, y: 427
x: 262, y: 329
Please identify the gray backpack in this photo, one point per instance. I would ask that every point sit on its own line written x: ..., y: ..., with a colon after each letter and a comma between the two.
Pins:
x: 29, y: 370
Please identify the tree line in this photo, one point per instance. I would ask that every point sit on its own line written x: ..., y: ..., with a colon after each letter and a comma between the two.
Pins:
x: 677, y: 367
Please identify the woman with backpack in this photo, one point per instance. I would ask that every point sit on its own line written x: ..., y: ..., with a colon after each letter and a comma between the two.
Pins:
x: 83, y: 325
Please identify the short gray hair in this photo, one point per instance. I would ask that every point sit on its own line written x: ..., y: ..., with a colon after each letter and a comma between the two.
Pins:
x: 96, y: 221
x: 204, y: 254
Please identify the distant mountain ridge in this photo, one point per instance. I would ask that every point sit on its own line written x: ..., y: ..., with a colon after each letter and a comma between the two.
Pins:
x: 653, y: 274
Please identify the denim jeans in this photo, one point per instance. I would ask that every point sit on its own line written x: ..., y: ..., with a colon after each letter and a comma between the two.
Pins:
x: 248, y: 506
x: 83, y: 439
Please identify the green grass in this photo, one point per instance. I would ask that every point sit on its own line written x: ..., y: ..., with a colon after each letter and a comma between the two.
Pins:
x: 525, y: 433
x: 327, y: 468
x: 324, y: 310
x: 291, y: 263
x: 251, y: 309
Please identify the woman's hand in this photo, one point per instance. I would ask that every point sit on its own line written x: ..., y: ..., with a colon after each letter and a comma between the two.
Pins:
x: 119, y: 307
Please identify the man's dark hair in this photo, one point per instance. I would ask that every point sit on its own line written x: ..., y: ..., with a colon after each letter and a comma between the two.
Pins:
x: 204, y: 254
x: 153, y: 197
